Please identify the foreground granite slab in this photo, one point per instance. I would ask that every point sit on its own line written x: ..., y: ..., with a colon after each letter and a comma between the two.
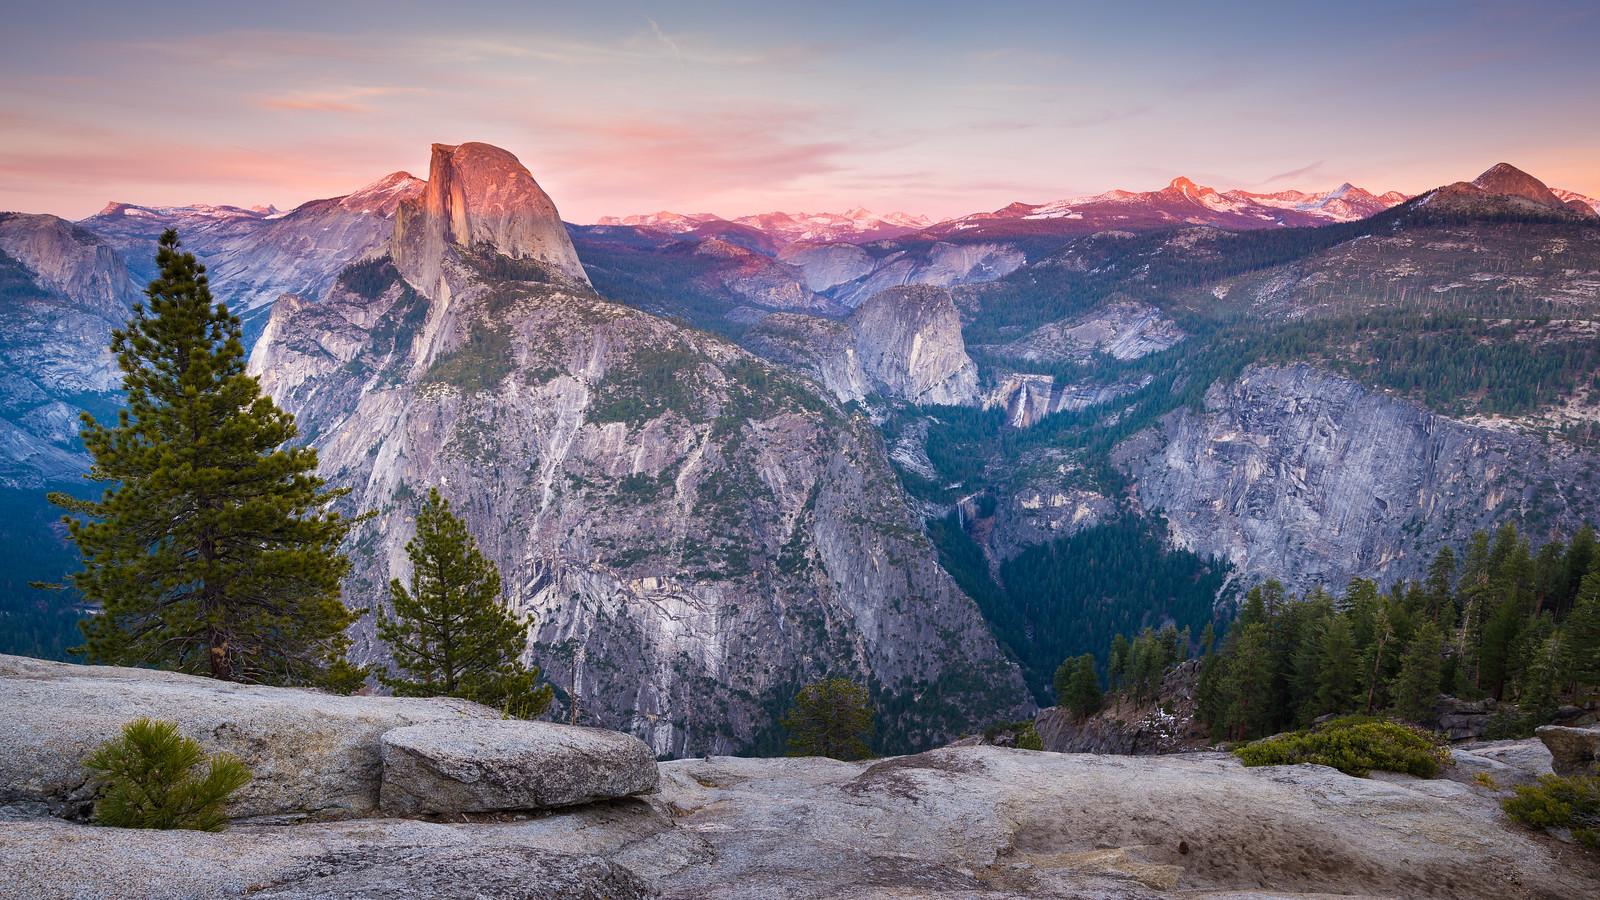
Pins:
x: 971, y: 822
x: 313, y: 755
x: 449, y: 768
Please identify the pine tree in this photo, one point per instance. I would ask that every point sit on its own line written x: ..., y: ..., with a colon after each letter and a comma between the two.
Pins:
x: 151, y: 778
x: 1117, y: 666
x: 1305, y: 677
x: 1579, y: 655
x: 1210, y: 693
x: 1416, y: 688
x: 1373, y: 664
x: 1338, y: 673
x: 1440, y: 586
x: 832, y: 718
x: 1078, y: 687
x: 1249, y: 685
x: 213, y: 551
x: 450, y: 634
x: 1582, y: 556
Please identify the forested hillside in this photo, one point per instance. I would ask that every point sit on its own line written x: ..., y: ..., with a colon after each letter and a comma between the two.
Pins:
x: 1495, y: 619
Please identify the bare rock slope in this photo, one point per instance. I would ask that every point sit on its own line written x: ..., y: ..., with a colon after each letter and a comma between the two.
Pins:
x: 904, y: 343
x: 1291, y: 471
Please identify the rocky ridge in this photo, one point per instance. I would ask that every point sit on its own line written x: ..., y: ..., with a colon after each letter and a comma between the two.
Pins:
x: 63, y: 290
x: 255, y: 257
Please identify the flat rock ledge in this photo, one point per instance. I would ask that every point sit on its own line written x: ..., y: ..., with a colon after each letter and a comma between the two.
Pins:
x: 1573, y: 751
x: 312, y: 755
x: 486, y: 766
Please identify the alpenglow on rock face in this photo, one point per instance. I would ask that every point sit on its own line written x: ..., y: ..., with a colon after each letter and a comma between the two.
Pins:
x: 693, y: 533
x: 478, y: 194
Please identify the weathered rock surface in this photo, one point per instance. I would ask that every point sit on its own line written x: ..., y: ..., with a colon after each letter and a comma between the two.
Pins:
x: 1508, y: 763
x: 904, y: 344
x: 466, y: 873
x: 312, y: 755
x: 1463, y: 720
x: 909, y: 343
x: 992, y: 822
x: 576, y: 854
x: 476, y: 195
x: 1573, y: 751
x: 825, y: 349
x: 941, y: 264
x: 825, y: 266
x: 451, y: 768
x: 1123, y: 329
x: 977, y: 822
x: 64, y: 291
x: 1295, y: 473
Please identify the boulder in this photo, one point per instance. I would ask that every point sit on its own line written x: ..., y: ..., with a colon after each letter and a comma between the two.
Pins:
x: 448, y: 768
x: 1508, y: 763
x: 312, y: 755
x: 1573, y: 751
x: 1463, y: 720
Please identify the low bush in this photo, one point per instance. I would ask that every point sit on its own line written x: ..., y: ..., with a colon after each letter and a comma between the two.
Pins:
x: 149, y: 779
x: 1354, y: 746
x: 1021, y: 735
x: 1557, y: 802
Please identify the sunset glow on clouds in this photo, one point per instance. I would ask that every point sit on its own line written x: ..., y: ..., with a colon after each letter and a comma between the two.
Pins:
x: 935, y: 108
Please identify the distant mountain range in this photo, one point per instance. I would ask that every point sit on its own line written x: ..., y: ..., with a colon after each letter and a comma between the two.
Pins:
x: 851, y: 225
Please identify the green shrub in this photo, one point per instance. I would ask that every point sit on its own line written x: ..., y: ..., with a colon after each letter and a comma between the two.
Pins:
x: 1021, y: 735
x: 1355, y: 746
x: 148, y: 780
x: 1557, y: 802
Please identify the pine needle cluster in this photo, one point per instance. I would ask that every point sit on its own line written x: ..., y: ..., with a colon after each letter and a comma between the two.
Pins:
x: 154, y: 777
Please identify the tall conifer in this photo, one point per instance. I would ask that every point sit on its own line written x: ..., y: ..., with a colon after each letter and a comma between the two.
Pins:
x: 213, y: 550
x: 450, y: 634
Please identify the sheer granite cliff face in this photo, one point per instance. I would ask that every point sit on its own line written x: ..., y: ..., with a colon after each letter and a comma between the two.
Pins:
x: 904, y: 344
x: 693, y: 533
x: 1296, y: 473
x: 479, y: 195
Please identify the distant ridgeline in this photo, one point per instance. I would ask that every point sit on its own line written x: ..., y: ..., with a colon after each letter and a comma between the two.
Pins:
x: 1496, y: 621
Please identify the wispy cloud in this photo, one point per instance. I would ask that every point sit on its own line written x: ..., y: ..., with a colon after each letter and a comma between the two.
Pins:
x: 1296, y: 174
x: 665, y: 41
x: 349, y: 99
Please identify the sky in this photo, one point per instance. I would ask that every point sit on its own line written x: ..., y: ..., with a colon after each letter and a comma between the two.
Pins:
x: 733, y: 108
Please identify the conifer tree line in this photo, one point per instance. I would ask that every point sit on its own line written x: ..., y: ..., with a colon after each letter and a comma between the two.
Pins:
x: 1496, y: 621
x: 214, y: 548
